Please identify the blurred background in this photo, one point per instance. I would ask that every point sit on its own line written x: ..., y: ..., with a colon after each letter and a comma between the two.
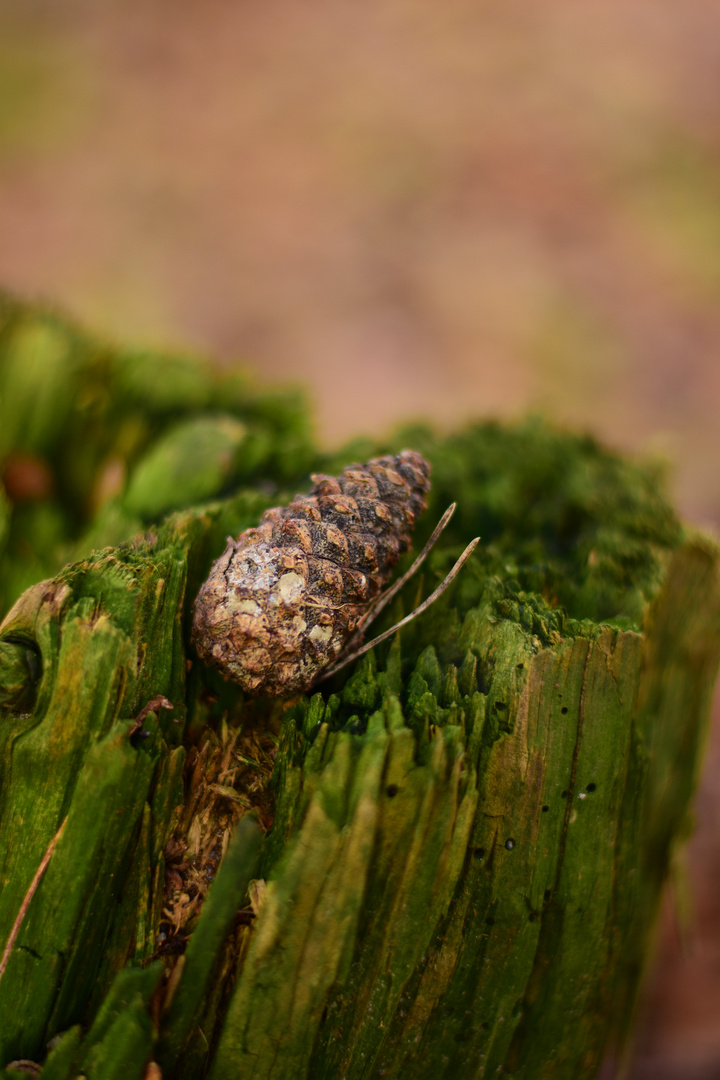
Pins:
x: 415, y: 210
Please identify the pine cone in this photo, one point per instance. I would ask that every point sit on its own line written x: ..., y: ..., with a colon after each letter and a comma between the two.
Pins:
x: 283, y: 599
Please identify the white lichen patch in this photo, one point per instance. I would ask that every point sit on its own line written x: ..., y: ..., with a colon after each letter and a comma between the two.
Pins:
x: 247, y: 607
x: 320, y: 634
x: 291, y: 587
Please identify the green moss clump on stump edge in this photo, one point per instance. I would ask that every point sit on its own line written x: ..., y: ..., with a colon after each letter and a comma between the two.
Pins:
x: 464, y: 837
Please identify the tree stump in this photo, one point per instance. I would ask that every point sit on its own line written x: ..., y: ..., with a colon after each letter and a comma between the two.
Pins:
x: 448, y: 861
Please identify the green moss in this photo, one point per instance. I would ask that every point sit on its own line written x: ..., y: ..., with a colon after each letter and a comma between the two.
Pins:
x: 125, y: 438
x: 471, y: 824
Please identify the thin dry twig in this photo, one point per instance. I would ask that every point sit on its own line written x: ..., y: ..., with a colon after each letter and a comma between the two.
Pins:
x: 28, y: 897
x: 408, y: 618
x: 383, y: 600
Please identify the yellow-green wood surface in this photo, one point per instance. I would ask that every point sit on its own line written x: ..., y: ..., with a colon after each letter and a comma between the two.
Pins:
x: 471, y: 826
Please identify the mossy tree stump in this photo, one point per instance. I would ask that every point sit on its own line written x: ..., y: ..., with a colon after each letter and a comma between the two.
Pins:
x: 447, y: 861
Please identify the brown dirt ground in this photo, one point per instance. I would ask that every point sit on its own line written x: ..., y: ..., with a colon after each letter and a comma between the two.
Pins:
x: 415, y: 209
